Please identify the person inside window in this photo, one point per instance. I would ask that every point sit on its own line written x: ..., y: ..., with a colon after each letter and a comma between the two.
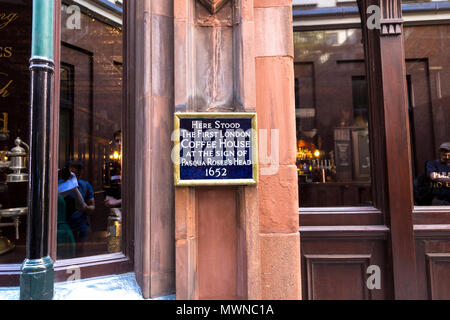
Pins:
x: 80, y: 203
x: 438, y: 171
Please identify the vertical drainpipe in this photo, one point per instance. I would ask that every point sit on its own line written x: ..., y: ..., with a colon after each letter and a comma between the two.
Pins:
x: 37, y: 274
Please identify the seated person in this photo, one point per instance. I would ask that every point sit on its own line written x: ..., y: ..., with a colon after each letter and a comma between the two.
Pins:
x: 438, y: 171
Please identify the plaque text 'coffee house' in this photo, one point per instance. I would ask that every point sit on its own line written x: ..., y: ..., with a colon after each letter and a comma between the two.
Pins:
x: 215, y: 149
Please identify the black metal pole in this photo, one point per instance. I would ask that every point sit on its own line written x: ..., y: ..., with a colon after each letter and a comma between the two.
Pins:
x: 36, y: 281
x: 39, y: 186
x: 37, y: 274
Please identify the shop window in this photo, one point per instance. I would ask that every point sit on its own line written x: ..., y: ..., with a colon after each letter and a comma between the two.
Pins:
x: 333, y: 116
x: 90, y: 216
x: 15, y: 48
x: 428, y: 78
x: 333, y: 156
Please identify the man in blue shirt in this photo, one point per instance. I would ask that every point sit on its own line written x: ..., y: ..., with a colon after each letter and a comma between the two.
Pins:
x: 439, y: 173
x: 80, y: 205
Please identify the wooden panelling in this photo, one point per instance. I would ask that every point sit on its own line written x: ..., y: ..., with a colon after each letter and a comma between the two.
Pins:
x: 431, y: 215
x: 439, y: 275
x: 335, y: 270
x: 344, y: 232
x: 433, y: 260
x: 334, y: 194
x: 353, y: 216
x: 335, y: 261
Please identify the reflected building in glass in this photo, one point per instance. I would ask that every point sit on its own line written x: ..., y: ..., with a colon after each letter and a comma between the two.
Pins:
x: 90, y: 118
x: 332, y: 103
x: 91, y: 123
x: 333, y: 155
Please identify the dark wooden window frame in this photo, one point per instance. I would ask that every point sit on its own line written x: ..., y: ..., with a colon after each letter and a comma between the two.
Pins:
x: 100, y: 265
x: 372, y: 215
x: 403, y: 228
x: 357, y: 216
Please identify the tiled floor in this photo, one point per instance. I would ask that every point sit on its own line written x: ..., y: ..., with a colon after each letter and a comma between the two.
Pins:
x: 118, y: 287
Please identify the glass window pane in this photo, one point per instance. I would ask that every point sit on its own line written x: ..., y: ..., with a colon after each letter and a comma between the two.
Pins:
x: 90, y: 155
x: 428, y: 79
x: 333, y: 154
x: 15, y: 48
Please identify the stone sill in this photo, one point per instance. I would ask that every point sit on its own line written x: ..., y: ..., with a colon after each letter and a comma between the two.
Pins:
x: 115, y: 287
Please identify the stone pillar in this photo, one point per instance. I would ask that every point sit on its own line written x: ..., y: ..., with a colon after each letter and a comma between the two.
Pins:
x: 149, y: 76
x: 217, y: 228
x: 278, y: 188
x: 227, y: 56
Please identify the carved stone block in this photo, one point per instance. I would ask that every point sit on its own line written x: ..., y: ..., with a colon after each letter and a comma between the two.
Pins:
x: 213, y: 5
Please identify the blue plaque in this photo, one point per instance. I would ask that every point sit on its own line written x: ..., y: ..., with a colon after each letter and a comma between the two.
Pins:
x: 215, y: 149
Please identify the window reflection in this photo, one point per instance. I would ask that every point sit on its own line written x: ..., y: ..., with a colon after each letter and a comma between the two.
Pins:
x: 333, y: 156
x: 332, y: 115
x: 90, y: 149
x: 428, y: 78
x: 15, y: 48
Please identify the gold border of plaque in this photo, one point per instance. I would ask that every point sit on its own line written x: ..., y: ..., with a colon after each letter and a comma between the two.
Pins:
x: 214, y: 115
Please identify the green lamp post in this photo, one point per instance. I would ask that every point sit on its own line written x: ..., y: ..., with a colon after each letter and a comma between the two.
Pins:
x: 37, y: 274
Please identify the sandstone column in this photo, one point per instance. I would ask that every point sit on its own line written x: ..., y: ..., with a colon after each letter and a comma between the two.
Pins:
x: 236, y: 56
x: 278, y: 188
x: 149, y: 67
x: 217, y: 228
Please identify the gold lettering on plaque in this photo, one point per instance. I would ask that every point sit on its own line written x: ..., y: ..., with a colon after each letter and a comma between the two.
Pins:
x: 6, y: 52
x: 4, y: 121
x: 6, y: 19
x: 3, y: 90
